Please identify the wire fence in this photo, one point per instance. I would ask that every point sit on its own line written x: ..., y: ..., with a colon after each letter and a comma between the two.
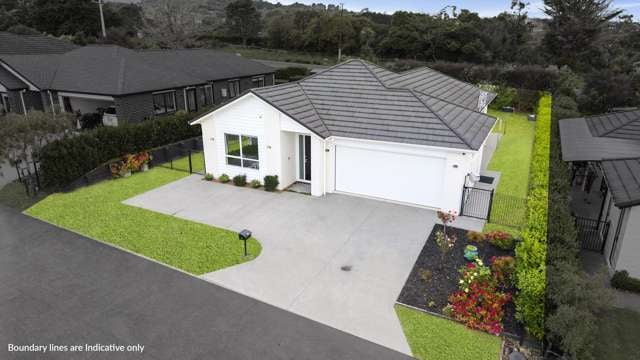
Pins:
x: 508, y: 210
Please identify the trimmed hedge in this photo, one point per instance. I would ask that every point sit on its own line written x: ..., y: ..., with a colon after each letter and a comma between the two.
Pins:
x: 67, y: 159
x: 531, y: 253
x: 622, y: 280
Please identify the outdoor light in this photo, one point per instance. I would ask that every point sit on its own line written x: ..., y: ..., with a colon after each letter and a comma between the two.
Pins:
x: 244, y: 235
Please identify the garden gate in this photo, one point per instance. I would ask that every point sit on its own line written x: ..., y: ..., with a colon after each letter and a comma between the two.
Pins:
x: 476, y: 202
x: 592, y: 233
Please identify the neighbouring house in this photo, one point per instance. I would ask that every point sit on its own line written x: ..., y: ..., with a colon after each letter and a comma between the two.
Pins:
x: 604, y: 153
x: 125, y: 85
x: 414, y: 137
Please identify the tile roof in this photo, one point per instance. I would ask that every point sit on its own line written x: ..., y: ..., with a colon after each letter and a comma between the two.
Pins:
x: 620, y: 125
x: 32, y: 44
x: 354, y: 99
x: 114, y: 70
x: 595, y: 138
x: 9, y: 81
x: 623, y: 178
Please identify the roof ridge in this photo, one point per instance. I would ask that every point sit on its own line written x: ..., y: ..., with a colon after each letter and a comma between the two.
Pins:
x: 313, y: 107
x: 615, y: 128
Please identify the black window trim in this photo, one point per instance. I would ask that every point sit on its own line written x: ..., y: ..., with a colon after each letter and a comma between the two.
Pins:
x: 164, y: 99
x: 236, y: 89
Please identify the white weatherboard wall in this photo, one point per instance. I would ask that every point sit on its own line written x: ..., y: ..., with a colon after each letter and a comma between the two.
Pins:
x: 629, y: 247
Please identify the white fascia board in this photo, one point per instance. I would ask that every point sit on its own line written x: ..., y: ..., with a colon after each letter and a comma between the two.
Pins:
x: 22, y: 78
x: 209, y: 115
x: 391, y: 143
x: 86, y: 96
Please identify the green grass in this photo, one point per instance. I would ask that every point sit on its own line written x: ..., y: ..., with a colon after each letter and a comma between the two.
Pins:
x: 97, y: 212
x: 282, y: 55
x: 618, y: 335
x: 513, y: 155
x: 431, y: 337
x: 15, y: 196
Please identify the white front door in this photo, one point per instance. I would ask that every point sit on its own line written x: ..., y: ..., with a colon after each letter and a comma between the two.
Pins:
x: 304, y: 158
x: 397, y: 176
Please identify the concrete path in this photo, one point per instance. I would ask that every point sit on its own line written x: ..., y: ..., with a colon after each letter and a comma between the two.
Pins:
x: 306, y: 242
x: 60, y: 288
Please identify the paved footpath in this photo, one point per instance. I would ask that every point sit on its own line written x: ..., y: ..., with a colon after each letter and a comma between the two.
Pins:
x: 60, y: 288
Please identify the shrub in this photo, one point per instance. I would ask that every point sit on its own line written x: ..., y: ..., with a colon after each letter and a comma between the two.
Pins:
x: 531, y: 253
x: 475, y: 236
x: 271, y: 182
x: 481, y: 307
x: 500, y: 239
x: 224, y: 178
x: 475, y: 272
x: 65, y: 160
x: 255, y: 184
x: 622, y: 280
x: 208, y: 177
x: 503, y: 268
x: 240, y: 180
x: 292, y: 73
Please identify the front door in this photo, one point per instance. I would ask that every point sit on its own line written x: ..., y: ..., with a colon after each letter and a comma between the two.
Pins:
x: 192, y: 102
x: 304, y: 158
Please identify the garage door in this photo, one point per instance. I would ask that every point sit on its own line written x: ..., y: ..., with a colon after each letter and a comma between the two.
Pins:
x: 388, y: 175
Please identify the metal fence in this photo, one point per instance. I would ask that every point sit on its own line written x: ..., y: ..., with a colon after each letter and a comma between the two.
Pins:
x: 508, y: 210
x: 592, y: 233
x: 29, y: 176
x: 185, y: 156
x: 476, y: 202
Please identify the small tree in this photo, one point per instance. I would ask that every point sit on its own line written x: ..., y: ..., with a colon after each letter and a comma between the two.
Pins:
x: 445, y: 241
x: 242, y: 19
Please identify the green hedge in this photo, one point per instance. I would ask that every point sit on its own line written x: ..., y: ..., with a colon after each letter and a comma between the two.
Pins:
x: 67, y: 159
x: 531, y: 253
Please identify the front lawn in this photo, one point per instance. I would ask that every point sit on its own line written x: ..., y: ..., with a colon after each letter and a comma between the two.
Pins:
x: 15, y: 196
x: 434, y: 338
x: 97, y: 212
x: 618, y: 331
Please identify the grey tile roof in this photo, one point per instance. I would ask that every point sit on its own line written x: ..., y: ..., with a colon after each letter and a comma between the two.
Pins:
x: 579, y: 143
x: 32, y: 44
x: 113, y: 70
x: 620, y: 125
x: 623, y: 178
x: 353, y: 100
x: 9, y: 81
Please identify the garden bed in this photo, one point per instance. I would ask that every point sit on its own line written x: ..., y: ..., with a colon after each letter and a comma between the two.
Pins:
x: 431, y: 281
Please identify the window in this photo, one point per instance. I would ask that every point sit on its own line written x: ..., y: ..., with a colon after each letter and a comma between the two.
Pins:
x: 223, y: 92
x: 234, y: 88
x: 192, y: 99
x: 242, y: 150
x: 208, y: 90
x: 258, y: 81
x: 164, y: 102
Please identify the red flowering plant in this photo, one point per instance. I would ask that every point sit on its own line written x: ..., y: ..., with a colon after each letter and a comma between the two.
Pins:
x: 473, y: 272
x: 503, y: 268
x: 445, y: 241
x: 481, y: 307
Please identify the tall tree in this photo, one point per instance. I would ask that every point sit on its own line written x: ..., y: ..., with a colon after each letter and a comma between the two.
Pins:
x: 574, y: 29
x: 170, y: 23
x: 243, y: 20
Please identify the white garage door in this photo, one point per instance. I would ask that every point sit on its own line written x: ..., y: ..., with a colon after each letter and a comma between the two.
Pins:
x: 388, y: 175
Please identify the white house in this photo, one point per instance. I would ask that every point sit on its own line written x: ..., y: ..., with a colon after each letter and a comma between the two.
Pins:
x: 357, y: 129
x: 604, y: 150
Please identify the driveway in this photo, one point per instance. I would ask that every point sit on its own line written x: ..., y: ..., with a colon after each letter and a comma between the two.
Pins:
x: 61, y: 288
x: 339, y: 260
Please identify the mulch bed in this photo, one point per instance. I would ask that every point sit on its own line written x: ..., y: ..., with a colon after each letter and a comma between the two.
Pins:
x: 432, y: 295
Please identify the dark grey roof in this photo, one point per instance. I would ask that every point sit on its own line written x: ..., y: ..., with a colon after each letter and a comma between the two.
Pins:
x: 113, y: 70
x: 9, y: 81
x: 434, y: 83
x: 623, y: 178
x: 32, y: 44
x: 621, y: 125
x: 580, y: 144
x: 353, y: 100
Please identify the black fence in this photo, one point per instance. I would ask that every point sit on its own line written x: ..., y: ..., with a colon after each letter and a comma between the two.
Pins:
x: 508, y: 210
x: 476, y: 202
x: 592, y: 233
x: 186, y: 155
x: 29, y: 176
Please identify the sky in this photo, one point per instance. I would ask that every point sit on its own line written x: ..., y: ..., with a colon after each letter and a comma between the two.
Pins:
x: 482, y: 7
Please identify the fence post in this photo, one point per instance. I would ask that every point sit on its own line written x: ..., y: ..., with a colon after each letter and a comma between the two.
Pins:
x: 18, y: 171
x: 490, y: 206
x: 35, y: 170
x: 190, y: 166
x: 464, y: 191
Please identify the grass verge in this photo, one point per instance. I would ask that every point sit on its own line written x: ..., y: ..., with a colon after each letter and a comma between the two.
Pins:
x: 435, y: 338
x: 97, y: 212
x: 15, y: 196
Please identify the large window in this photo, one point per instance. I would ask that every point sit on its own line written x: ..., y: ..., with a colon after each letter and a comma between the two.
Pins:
x: 234, y: 88
x: 258, y: 81
x: 242, y: 150
x: 164, y: 102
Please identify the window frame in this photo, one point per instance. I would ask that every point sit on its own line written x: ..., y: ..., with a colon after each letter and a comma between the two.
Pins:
x: 258, y: 79
x: 164, y: 100
x: 234, y: 88
x: 241, y: 157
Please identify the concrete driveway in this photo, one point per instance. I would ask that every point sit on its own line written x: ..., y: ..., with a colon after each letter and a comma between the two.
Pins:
x: 308, y: 243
